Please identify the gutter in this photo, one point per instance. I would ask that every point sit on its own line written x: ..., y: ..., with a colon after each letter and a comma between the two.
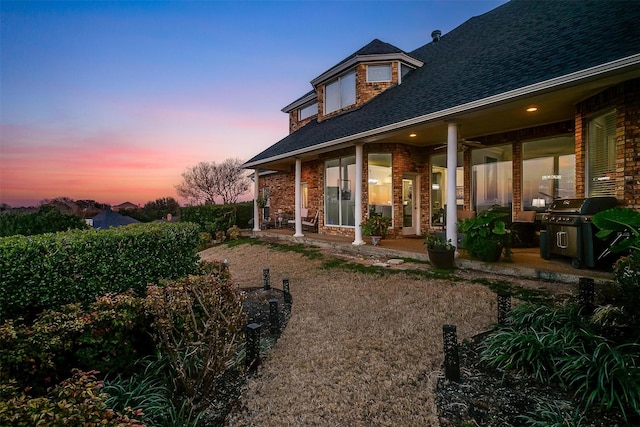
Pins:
x: 473, y: 105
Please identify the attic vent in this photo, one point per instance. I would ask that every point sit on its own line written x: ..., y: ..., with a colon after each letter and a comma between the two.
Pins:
x: 435, y: 35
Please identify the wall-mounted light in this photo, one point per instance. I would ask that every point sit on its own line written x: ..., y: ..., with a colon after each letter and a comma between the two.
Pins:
x: 532, y: 109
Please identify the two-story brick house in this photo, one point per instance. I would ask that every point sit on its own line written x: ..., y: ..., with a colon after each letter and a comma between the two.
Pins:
x: 527, y: 103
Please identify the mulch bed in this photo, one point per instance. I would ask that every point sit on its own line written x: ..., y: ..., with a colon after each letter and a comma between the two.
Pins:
x: 484, y: 397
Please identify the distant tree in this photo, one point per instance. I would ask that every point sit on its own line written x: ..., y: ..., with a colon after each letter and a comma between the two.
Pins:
x: 47, y: 219
x: 207, y: 182
x: 159, y: 208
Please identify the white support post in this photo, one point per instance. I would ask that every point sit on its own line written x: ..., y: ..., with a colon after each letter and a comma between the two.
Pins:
x: 256, y: 191
x: 452, y: 164
x: 358, y: 214
x: 298, y: 206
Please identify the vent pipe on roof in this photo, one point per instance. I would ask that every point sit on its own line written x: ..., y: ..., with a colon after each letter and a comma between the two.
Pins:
x: 435, y: 35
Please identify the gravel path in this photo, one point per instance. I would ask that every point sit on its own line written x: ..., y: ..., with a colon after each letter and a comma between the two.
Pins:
x: 359, y: 349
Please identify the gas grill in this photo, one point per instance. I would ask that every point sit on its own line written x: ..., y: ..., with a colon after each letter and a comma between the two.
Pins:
x: 570, y: 233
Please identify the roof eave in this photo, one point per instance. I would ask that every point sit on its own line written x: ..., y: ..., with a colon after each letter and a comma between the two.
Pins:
x: 300, y: 102
x: 556, y: 82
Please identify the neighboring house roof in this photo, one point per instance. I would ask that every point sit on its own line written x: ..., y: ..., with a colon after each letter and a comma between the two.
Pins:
x: 108, y: 218
x: 125, y: 205
x: 517, y: 45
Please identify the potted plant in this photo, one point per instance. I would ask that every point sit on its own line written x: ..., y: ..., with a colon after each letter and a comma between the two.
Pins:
x: 486, y: 236
x: 441, y: 251
x: 376, y: 227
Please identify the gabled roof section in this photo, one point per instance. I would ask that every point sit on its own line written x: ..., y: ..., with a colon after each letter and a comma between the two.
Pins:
x: 521, y: 47
x: 376, y: 50
x: 304, y: 99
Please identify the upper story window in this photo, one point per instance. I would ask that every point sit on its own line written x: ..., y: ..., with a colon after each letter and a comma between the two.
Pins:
x: 308, y: 111
x: 340, y: 93
x: 379, y: 73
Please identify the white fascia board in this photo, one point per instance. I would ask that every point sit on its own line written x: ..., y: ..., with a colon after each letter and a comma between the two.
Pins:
x: 402, y: 57
x: 630, y: 61
x: 300, y: 102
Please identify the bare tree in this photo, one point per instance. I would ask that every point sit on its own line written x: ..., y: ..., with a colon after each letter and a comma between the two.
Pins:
x: 207, y: 181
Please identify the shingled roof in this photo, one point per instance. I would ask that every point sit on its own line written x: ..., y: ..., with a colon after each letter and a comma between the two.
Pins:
x: 513, y: 46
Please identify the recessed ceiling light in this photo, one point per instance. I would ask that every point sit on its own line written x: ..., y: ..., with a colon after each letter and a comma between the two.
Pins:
x: 532, y: 109
x: 413, y: 134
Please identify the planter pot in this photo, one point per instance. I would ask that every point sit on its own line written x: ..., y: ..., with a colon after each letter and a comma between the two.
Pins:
x: 375, y: 240
x: 491, y: 252
x: 442, y: 258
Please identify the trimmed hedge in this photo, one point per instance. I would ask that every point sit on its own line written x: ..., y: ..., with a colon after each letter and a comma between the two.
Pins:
x: 212, y: 218
x: 50, y: 270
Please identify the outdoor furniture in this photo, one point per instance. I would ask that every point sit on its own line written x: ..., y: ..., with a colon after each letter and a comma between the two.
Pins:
x: 311, y: 225
x: 303, y: 213
x: 523, y: 229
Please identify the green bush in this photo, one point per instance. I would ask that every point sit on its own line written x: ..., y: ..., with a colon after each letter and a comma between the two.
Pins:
x: 109, y: 335
x: 77, y: 401
x: 198, y: 325
x: 46, y: 220
x: 558, y: 345
x: 627, y: 282
x: 50, y: 270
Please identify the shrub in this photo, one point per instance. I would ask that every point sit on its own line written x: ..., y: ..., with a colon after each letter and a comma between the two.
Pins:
x: 46, y: 220
x: 50, y: 270
x: 556, y: 345
x: 627, y: 283
x: 110, y: 335
x: 198, y: 324
x: 77, y: 401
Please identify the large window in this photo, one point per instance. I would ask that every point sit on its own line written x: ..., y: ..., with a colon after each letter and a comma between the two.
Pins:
x: 548, y: 172
x: 379, y: 73
x: 380, y: 185
x: 340, y: 93
x: 339, y: 191
x: 601, y: 152
x: 491, y: 178
x: 308, y: 111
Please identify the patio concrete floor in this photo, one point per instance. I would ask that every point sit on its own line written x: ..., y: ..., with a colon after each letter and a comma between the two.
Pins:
x: 526, y: 262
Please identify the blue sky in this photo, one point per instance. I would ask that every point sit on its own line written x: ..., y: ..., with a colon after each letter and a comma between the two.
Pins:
x: 112, y: 101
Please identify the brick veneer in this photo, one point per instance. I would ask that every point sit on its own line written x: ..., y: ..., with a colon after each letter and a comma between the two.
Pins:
x: 625, y: 98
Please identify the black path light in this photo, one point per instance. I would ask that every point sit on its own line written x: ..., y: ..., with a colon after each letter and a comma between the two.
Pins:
x: 586, y: 295
x: 504, y: 307
x: 252, y: 333
x: 287, y: 291
x: 274, y: 317
x: 451, y: 356
x: 266, y: 279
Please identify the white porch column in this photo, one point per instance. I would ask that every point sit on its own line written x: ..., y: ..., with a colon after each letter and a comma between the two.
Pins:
x: 256, y: 211
x: 452, y: 164
x: 298, y: 232
x: 358, y: 214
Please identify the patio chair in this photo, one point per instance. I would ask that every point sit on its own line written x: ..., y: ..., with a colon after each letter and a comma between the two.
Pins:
x: 303, y: 213
x: 523, y: 229
x: 312, y: 225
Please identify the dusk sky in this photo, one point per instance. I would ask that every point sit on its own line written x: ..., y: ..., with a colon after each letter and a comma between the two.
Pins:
x: 112, y: 101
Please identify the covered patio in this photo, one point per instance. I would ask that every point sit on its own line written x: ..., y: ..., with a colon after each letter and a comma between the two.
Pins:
x: 525, y: 262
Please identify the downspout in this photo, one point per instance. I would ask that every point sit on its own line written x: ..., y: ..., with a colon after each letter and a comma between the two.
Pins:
x: 358, y: 214
x: 298, y: 214
x: 452, y: 164
x: 256, y: 190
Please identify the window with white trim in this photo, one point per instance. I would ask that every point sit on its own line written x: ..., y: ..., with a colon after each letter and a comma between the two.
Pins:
x: 339, y: 177
x: 601, y: 152
x: 308, y: 111
x: 340, y: 93
x: 379, y: 73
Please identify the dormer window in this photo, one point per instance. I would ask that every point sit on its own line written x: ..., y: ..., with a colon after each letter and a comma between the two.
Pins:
x: 308, y: 111
x: 340, y: 93
x: 378, y: 73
